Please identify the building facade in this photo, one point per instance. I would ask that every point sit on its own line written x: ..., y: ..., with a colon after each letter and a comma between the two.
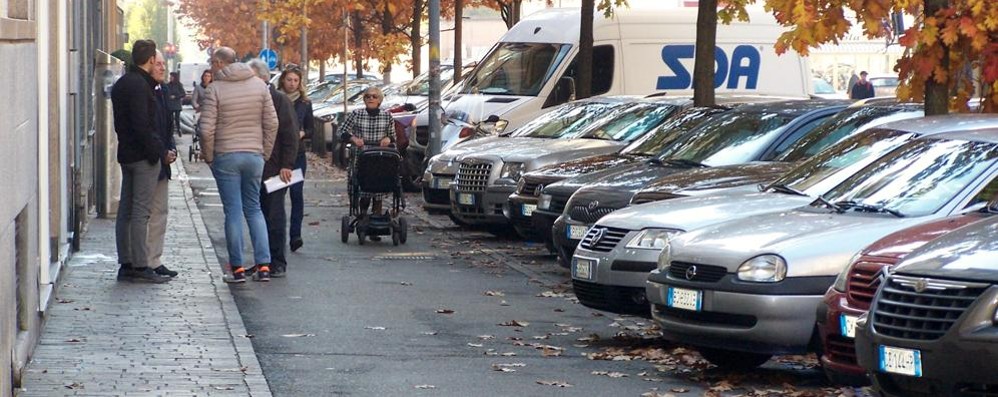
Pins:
x: 48, y: 61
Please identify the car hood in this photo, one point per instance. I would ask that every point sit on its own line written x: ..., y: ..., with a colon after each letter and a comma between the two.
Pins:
x: 480, y: 107
x: 478, y: 145
x: 689, y: 213
x: 616, y: 190
x: 814, y: 242
x: 969, y: 253
x: 719, y: 177
x: 899, y: 244
x: 538, y: 152
x: 586, y: 165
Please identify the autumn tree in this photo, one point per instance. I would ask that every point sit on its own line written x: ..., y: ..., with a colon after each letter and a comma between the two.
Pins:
x: 951, y: 49
x: 147, y: 19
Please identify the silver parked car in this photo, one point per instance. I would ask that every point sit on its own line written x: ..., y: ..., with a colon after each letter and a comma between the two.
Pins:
x: 747, y: 289
x: 485, y: 179
x: 613, y: 277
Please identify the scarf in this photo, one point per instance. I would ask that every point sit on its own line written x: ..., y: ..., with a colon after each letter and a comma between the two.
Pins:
x: 293, y: 96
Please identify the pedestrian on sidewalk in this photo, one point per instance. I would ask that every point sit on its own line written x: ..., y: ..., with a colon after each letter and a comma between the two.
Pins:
x: 281, y: 161
x: 175, y: 101
x: 238, y: 129
x: 370, y: 126
x: 291, y: 84
x: 161, y: 196
x: 862, y: 89
x: 197, y: 98
x: 140, y: 149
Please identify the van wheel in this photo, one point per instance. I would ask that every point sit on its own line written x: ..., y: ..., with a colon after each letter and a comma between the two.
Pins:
x: 728, y: 359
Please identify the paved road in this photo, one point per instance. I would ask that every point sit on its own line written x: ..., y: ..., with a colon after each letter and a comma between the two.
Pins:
x: 365, y: 320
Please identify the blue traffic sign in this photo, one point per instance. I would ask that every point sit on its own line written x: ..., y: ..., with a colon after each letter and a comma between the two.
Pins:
x: 269, y: 56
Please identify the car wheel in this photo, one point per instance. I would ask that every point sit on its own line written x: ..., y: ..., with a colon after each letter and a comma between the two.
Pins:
x: 403, y: 230
x: 729, y: 359
x: 345, y: 229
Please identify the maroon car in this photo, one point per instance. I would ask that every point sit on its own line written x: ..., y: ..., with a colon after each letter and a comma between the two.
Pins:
x: 854, y: 289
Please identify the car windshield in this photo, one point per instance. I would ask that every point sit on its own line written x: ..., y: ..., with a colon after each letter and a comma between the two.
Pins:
x: 834, y: 129
x: 421, y: 84
x: 919, y: 177
x: 321, y: 91
x: 852, y: 154
x: 668, y: 133
x: 569, y: 120
x: 633, y: 124
x: 822, y: 87
x: 729, y: 138
x: 353, y: 89
x: 516, y: 69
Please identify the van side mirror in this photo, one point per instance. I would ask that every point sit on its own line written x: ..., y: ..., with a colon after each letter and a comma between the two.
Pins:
x: 564, y: 91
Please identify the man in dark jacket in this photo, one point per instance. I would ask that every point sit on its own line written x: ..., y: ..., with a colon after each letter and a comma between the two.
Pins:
x: 281, y: 161
x: 862, y: 89
x: 161, y: 196
x: 140, y: 150
x: 175, y: 101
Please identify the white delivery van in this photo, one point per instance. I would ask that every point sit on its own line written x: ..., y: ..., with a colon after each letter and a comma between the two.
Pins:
x: 636, y: 52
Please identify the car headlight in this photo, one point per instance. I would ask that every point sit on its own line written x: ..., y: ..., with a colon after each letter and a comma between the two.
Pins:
x: 511, y: 171
x: 544, y: 202
x: 664, y: 258
x: 652, y: 239
x: 843, y: 278
x: 763, y: 269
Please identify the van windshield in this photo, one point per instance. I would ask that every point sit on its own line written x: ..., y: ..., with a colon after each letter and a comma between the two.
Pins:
x: 516, y: 69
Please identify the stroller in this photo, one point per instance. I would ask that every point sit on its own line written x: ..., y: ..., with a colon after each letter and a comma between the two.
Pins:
x: 375, y: 172
x: 194, y: 151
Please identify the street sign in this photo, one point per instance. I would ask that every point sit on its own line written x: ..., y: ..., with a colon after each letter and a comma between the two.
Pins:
x: 269, y: 56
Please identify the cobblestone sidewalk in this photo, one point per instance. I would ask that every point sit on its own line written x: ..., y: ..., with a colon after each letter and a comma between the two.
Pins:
x: 104, y: 337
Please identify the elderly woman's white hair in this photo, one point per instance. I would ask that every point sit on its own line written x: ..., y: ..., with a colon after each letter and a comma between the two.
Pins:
x: 260, y: 68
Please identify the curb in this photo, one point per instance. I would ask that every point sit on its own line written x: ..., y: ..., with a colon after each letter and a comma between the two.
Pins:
x: 253, y: 377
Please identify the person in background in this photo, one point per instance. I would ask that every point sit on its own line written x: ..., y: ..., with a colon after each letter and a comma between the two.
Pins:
x: 291, y: 84
x: 238, y: 128
x: 161, y: 196
x: 197, y: 99
x: 140, y: 151
x: 174, y: 100
x: 370, y: 126
x: 281, y: 161
x: 862, y: 89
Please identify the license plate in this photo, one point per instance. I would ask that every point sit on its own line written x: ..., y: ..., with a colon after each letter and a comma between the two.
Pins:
x: 441, y: 183
x: 576, y: 232
x: 847, y: 325
x: 466, y: 199
x: 686, y: 299
x: 528, y: 209
x: 582, y: 268
x: 900, y: 361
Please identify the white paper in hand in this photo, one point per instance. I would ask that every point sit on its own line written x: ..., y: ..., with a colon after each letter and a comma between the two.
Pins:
x: 275, y: 183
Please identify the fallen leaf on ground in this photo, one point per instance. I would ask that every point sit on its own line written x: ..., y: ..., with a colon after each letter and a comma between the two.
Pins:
x: 247, y: 336
x: 550, y: 294
x: 406, y: 283
x: 313, y: 223
x: 431, y: 333
x: 66, y: 301
x: 375, y: 328
x: 507, y: 367
x: 425, y: 387
x: 224, y: 388
x: 494, y: 293
x: 559, y: 310
x: 486, y: 337
x: 553, y: 383
x: 548, y: 352
x: 514, y: 323
x: 610, y: 374
x: 297, y: 335
x: 445, y: 311
x: 657, y: 394
x: 679, y: 390
x: 507, y: 354
x: 503, y: 303
x: 74, y: 340
x: 75, y: 385
x: 475, y: 344
x: 541, y: 337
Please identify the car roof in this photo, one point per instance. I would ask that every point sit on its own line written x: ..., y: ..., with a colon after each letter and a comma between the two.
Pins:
x: 888, y: 102
x: 973, y: 127
x: 791, y: 108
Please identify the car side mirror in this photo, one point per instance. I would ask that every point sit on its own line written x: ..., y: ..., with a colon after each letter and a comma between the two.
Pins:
x: 564, y: 91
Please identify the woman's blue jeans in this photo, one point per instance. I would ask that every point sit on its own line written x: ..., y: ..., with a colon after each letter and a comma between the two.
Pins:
x: 238, y: 176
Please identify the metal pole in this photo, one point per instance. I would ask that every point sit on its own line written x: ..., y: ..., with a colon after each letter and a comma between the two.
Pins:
x: 458, y: 37
x: 169, y: 34
x: 434, y: 109
x: 264, y: 36
x: 304, y: 46
x: 346, y: 44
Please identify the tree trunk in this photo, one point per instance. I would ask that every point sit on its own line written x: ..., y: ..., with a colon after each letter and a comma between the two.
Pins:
x: 458, y: 42
x: 703, y: 66
x: 358, y: 42
x: 584, y: 60
x: 416, y: 38
x: 386, y: 29
x: 322, y: 70
x: 936, y: 94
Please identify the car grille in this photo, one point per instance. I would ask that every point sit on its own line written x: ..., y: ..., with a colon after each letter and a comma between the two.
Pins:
x: 473, y: 177
x: 582, y: 213
x: 701, y: 273
x: 841, y: 349
x: 623, y: 300
x: 603, y: 239
x: 903, y: 312
x: 558, y: 204
x: 864, y: 279
x: 423, y: 135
